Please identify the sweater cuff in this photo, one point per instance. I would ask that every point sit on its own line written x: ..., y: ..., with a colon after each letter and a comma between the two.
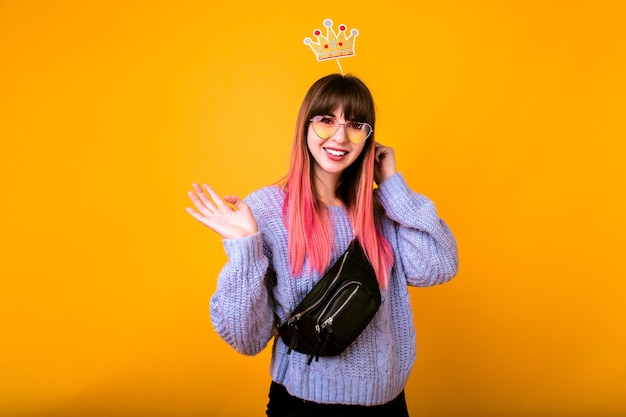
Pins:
x: 246, y: 252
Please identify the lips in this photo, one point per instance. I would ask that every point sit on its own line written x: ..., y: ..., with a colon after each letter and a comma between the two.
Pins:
x: 337, y: 153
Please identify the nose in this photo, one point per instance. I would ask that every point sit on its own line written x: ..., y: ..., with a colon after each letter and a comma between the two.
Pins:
x: 340, y: 134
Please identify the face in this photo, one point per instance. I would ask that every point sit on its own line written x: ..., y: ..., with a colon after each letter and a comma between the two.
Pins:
x: 336, y: 153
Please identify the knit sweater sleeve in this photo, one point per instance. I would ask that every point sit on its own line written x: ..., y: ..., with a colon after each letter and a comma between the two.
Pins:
x: 241, y: 309
x: 425, y: 247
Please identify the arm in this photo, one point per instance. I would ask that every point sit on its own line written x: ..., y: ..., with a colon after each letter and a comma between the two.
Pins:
x: 426, y: 247
x: 241, y: 309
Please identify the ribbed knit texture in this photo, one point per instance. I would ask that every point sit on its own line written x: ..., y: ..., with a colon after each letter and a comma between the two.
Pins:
x: 256, y: 285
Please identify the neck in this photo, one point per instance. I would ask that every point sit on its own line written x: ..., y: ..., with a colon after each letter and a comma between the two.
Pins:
x: 326, y: 189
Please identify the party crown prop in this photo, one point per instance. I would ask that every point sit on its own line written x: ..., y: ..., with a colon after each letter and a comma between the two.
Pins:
x: 333, y: 45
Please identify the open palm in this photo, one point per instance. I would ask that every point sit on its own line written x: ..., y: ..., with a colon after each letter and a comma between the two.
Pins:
x: 230, y: 217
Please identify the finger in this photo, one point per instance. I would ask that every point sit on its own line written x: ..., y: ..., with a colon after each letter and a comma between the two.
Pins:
x: 383, y: 152
x: 382, y: 148
x: 379, y: 153
x: 236, y: 201
x: 196, y: 215
x: 195, y: 200
x: 205, y: 220
x: 217, y: 199
x: 202, y: 198
x: 203, y: 205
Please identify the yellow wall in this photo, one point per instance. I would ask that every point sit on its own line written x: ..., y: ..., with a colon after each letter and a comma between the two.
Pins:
x: 509, y: 114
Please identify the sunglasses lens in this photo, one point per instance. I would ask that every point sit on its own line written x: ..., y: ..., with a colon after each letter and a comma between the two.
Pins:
x: 324, y: 127
x: 358, y: 132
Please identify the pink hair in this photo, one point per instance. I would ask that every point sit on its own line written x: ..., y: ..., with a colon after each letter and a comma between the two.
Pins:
x: 309, y: 227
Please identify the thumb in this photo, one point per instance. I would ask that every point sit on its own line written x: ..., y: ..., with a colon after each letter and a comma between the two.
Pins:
x: 235, y: 201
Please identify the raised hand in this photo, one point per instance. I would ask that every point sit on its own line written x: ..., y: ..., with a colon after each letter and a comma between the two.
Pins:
x: 229, y: 217
x: 384, y: 163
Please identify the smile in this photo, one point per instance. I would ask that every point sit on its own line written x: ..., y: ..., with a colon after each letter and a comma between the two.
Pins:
x: 335, y: 152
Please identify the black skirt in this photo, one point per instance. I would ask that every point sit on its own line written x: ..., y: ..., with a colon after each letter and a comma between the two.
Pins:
x: 283, y: 404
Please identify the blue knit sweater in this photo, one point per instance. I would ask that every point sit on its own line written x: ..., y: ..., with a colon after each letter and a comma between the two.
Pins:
x: 376, y: 367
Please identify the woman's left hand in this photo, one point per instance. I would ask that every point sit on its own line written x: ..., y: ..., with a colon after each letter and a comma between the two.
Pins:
x: 384, y: 163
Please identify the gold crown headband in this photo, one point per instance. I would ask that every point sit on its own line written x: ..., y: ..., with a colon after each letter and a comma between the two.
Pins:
x: 333, y: 45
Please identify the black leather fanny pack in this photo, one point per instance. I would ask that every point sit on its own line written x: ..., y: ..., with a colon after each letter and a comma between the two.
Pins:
x: 337, y: 309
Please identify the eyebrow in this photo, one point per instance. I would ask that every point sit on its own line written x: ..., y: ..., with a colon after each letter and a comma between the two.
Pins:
x: 335, y: 116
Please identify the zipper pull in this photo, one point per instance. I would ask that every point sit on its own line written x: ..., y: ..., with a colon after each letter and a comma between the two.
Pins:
x: 326, y: 323
x: 293, y: 320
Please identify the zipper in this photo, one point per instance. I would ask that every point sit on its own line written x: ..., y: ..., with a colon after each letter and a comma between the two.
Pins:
x: 297, y: 316
x: 329, y: 321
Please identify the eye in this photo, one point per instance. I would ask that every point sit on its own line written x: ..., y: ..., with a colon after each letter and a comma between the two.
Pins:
x: 356, y: 125
x: 328, y: 120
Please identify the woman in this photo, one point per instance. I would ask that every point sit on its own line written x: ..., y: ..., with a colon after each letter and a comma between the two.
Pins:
x: 282, y: 238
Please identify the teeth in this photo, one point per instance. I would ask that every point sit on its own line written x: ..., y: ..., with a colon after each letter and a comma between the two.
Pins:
x: 335, y: 153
